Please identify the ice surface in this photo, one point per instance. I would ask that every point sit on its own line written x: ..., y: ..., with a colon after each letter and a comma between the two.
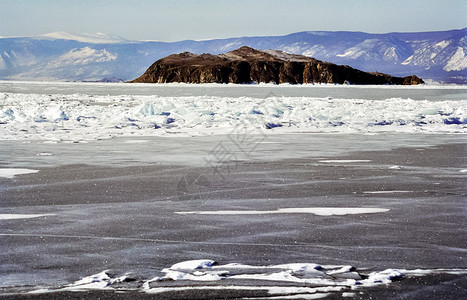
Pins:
x: 11, y: 173
x: 319, y: 211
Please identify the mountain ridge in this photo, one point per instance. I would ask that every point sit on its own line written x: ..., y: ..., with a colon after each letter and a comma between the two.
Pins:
x: 437, y: 55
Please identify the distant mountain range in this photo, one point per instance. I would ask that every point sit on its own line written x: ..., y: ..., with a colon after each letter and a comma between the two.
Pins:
x: 440, y: 56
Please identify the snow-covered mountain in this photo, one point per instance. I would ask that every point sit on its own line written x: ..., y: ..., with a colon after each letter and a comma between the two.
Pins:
x: 98, y: 38
x: 441, y: 56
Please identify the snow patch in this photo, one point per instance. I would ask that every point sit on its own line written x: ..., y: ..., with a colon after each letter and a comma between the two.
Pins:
x: 44, y: 154
x: 2, y: 63
x: 82, y: 56
x: 282, y: 55
x: 230, y: 46
x: 408, y: 60
x: 136, y: 141
x: 390, y: 54
x: 193, y: 264
x: 352, y: 53
x: 319, y: 211
x: 11, y: 173
x: 343, y: 161
x: 457, y: 62
x: 386, y: 192
x: 97, y: 38
x: 99, y: 281
x: 22, y: 216
x: 442, y: 44
x: 284, y: 292
x: 349, y: 295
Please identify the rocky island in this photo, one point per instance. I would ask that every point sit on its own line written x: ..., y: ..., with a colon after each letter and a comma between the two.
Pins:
x: 248, y: 65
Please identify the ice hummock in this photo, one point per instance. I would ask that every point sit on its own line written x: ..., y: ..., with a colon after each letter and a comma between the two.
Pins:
x: 281, y: 280
x: 79, y: 117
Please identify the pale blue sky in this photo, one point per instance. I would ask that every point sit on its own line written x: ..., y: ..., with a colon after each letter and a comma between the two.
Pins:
x: 189, y: 19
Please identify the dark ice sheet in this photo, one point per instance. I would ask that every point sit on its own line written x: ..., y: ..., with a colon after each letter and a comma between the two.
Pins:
x: 119, y: 214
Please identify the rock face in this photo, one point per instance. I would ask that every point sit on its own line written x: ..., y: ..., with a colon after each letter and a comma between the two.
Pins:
x: 247, y: 65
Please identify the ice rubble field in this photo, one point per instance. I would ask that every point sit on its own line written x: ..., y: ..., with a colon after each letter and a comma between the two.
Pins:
x: 319, y: 280
x: 79, y: 117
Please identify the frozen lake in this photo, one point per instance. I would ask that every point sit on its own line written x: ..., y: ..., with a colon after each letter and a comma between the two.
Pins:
x: 312, y: 208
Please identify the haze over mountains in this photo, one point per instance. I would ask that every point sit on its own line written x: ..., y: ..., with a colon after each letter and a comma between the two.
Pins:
x: 441, y: 56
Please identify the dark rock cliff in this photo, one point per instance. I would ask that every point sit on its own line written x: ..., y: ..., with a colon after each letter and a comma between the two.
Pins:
x: 246, y: 65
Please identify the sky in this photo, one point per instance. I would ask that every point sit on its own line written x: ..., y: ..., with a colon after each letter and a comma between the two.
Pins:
x: 176, y: 20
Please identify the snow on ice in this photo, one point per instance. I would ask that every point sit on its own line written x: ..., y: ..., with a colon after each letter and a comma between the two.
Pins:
x: 319, y: 211
x: 11, y: 173
x: 22, y: 216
